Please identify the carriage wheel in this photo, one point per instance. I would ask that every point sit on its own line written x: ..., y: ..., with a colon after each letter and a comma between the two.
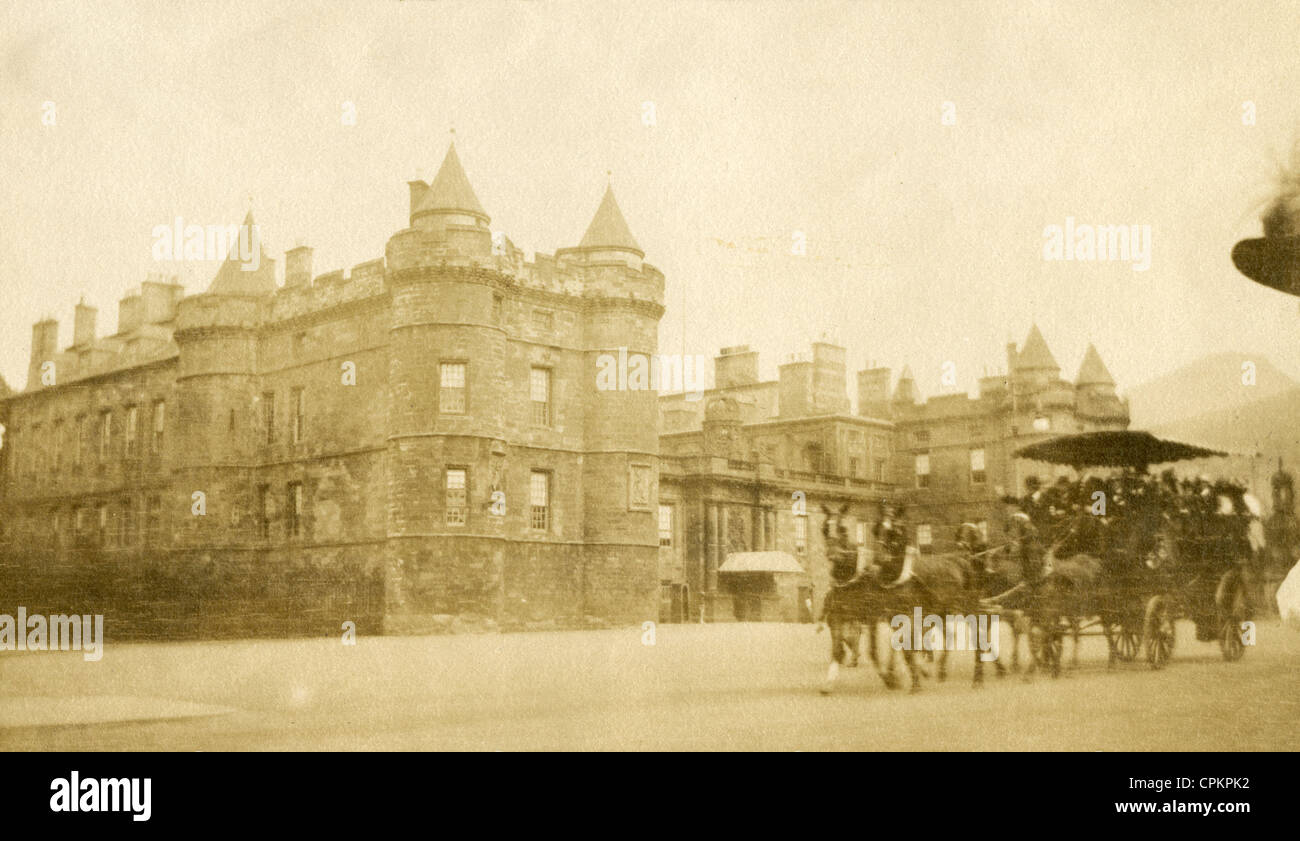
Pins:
x: 1127, y: 643
x: 1232, y: 600
x: 1158, y: 632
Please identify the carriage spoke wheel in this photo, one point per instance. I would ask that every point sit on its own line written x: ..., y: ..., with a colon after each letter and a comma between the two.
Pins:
x: 1230, y: 640
x: 1126, y: 644
x: 1159, y: 632
x: 1232, y: 604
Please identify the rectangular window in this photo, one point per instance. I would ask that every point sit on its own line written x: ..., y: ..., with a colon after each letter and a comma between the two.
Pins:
x: 882, y: 470
x: 297, y: 407
x: 153, y: 520
x: 977, y: 475
x: 451, y: 388
x: 862, y: 534
x: 35, y: 463
x: 81, y: 524
x: 105, y: 435
x: 496, y: 309
x: 855, y: 467
x: 921, y: 437
x: 801, y: 534
x: 101, y: 525
x: 543, y: 320
x: 923, y: 470
x: 665, y: 525
x: 923, y: 536
x: 132, y: 431
x: 129, y: 525
x: 539, y: 387
x: 159, y: 425
x: 268, y: 415
x: 983, y: 526
x: 81, y: 453
x: 56, y: 441
x: 264, y: 511
x: 539, y: 500
x: 294, y: 506
x: 457, y: 497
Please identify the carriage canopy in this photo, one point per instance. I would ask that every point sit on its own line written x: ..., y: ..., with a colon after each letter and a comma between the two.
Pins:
x: 1114, y: 448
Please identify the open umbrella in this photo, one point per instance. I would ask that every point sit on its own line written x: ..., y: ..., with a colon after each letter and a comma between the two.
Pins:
x: 1113, y: 448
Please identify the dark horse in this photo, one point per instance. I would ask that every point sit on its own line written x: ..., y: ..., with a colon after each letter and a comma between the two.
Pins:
x: 947, y: 585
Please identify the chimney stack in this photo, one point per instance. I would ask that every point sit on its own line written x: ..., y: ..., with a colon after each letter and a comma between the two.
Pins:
x: 83, y: 326
x: 297, y: 267
x: 418, y: 191
x: 45, y: 344
x: 873, y: 392
x: 735, y: 366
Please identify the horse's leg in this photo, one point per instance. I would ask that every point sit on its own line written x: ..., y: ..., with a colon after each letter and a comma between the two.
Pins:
x: 1110, y: 644
x: 1075, y: 624
x: 837, y: 654
x: 943, y: 661
x: 979, y: 666
x: 913, y: 667
x: 853, y: 644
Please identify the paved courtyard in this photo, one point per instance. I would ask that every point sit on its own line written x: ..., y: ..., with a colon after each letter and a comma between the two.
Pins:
x: 741, y: 686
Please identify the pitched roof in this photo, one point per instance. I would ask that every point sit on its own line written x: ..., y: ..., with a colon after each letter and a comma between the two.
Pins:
x: 1093, y: 370
x: 608, y: 228
x: 233, y: 279
x: 906, y: 388
x: 450, y: 188
x: 1034, y: 353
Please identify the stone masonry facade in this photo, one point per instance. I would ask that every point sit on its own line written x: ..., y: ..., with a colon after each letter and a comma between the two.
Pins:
x: 432, y: 416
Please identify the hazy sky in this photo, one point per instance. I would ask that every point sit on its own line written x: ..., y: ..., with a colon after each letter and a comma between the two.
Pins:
x: 924, y: 240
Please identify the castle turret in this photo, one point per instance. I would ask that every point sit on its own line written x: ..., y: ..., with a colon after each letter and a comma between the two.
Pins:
x: 1093, y: 376
x: 624, y: 302
x: 449, y: 211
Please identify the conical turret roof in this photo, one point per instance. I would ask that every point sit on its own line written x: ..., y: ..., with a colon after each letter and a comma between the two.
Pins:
x: 1093, y: 370
x: 450, y: 189
x: 608, y: 228
x: 906, y: 388
x: 233, y: 278
x: 1035, y: 353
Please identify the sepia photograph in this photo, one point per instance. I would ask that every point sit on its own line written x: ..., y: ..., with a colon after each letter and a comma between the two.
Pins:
x: 649, y: 377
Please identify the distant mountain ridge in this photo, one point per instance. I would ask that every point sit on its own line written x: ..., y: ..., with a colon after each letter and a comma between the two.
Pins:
x: 1204, y: 389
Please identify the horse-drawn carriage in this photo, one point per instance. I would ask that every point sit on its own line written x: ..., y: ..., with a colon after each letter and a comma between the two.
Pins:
x: 1171, y: 551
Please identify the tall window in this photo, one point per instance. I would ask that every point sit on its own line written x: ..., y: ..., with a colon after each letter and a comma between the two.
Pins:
x: 923, y: 470
x: 57, y: 442
x: 665, y: 525
x: 862, y: 534
x: 81, y: 524
x: 297, y: 407
x: 105, y: 434
x: 153, y: 520
x: 159, y: 425
x: 539, y: 386
x: 294, y: 507
x: 268, y: 415
x: 983, y: 526
x: 456, y: 496
x: 35, y: 463
x: 263, y: 511
x: 81, y: 454
x: 539, y: 500
x: 923, y: 539
x: 101, y: 525
x: 451, y: 388
x: 129, y: 522
x: 132, y: 431
x: 977, y: 475
x: 801, y: 533
x: 882, y: 470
